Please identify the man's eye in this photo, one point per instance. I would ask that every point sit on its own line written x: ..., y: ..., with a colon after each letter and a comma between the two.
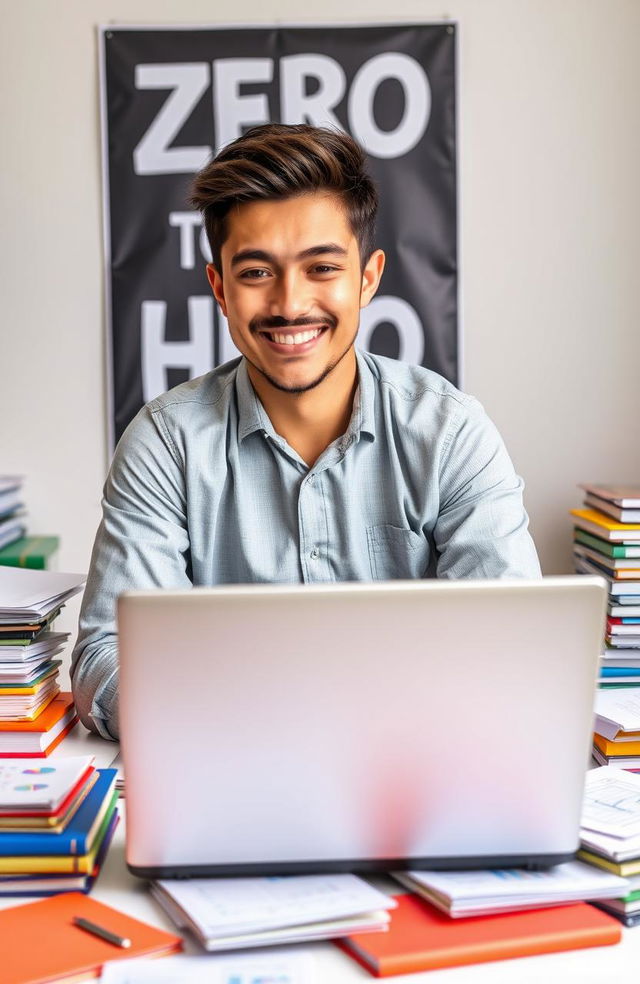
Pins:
x: 254, y: 274
x: 325, y: 268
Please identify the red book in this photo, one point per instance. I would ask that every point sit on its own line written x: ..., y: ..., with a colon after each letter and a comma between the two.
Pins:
x: 422, y: 938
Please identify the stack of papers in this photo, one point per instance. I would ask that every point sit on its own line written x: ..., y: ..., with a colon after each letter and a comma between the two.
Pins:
x: 610, y: 834
x: 233, y: 913
x: 616, y: 739
x: 56, y: 823
x: 30, y: 600
x: 475, y: 893
x: 28, y: 596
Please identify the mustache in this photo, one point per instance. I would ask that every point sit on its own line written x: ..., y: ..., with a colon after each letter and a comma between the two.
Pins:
x: 271, y: 324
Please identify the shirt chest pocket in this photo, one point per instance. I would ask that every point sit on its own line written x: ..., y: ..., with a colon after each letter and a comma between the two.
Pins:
x: 396, y: 553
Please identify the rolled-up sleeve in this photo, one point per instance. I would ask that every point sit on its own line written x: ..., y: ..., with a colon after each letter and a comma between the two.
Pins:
x: 482, y: 526
x: 142, y: 542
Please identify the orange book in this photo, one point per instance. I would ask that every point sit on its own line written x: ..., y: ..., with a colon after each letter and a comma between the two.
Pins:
x: 609, y: 748
x: 45, y: 721
x: 422, y: 938
x: 47, y: 946
x: 33, y: 739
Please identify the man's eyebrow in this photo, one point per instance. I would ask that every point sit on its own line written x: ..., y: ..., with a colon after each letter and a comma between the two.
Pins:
x: 332, y: 248
x: 263, y: 256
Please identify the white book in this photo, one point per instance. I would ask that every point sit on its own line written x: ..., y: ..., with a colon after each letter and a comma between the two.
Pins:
x: 617, y: 710
x: 624, y: 514
x: 22, y: 674
x: 45, y: 643
x: 616, y: 761
x: 465, y: 893
x: 621, y: 495
x: 629, y: 588
x: 615, y: 848
x: 232, y: 912
x: 11, y: 530
x: 30, y: 785
x: 26, y: 707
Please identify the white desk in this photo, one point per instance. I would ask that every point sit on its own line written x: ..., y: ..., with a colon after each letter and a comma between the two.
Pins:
x: 116, y: 887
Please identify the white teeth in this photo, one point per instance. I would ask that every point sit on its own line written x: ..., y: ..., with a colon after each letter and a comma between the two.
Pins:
x: 304, y: 336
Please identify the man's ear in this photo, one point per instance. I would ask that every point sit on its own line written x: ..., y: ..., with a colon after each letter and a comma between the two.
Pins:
x: 215, y: 282
x: 371, y: 276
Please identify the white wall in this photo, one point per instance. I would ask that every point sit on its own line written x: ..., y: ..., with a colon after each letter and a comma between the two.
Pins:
x: 550, y: 158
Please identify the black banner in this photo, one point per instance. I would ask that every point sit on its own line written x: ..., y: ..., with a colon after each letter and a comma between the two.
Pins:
x: 172, y: 97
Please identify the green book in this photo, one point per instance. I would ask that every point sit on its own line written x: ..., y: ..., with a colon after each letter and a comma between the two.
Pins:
x: 30, y: 551
x: 596, y: 543
x: 615, y: 686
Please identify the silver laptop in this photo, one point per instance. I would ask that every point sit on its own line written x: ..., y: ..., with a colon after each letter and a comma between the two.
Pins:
x: 277, y: 729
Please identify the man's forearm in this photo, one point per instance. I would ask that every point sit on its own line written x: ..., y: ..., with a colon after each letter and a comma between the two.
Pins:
x: 94, y: 679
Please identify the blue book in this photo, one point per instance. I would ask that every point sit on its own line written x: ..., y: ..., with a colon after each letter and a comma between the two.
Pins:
x: 614, y: 671
x: 80, y: 833
x: 38, y: 884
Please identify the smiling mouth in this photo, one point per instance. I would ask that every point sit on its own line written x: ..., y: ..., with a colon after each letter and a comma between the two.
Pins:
x: 292, y: 337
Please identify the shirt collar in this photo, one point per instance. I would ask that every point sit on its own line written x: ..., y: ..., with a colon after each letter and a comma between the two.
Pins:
x: 251, y: 414
x: 253, y: 417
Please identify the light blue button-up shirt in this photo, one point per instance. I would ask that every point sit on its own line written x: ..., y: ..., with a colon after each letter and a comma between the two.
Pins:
x: 203, y: 491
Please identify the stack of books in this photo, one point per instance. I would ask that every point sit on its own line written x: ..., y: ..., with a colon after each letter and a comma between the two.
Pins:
x: 16, y: 548
x: 610, y: 835
x: 234, y: 913
x: 607, y: 542
x: 34, y: 715
x: 56, y: 823
x: 12, y: 516
x: 616, y: 739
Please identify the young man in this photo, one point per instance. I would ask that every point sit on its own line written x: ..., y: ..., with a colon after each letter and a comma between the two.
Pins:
x: 304, y: 460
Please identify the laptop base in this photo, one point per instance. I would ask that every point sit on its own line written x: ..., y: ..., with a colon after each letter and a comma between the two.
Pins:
x: 360, y: 867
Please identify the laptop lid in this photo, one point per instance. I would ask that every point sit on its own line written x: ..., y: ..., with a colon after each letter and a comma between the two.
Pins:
x: 273, y: 729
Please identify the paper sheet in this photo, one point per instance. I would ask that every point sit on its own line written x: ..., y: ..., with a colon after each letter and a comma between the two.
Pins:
x: 611, y: 802
x: 282, y: 967
x: 622, y: 707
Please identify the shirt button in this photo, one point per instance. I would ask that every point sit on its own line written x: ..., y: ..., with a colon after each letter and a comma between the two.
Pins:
x: 311, y: 479
x: 315, y: 553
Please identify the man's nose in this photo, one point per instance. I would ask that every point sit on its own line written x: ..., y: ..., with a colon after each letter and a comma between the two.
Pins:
x: 290, y: 297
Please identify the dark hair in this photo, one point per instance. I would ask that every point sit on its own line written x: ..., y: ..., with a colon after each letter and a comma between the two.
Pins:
x: 276, y: 161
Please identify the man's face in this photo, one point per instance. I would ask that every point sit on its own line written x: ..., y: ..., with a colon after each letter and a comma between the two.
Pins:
x: 292, y: 287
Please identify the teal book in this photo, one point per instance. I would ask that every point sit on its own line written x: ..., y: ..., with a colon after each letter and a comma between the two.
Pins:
x: 30, y: 551
x: 597, y: 543
x: 79, y: 835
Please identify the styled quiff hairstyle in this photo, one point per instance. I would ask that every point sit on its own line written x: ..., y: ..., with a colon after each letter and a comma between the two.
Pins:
x: 275, y: 161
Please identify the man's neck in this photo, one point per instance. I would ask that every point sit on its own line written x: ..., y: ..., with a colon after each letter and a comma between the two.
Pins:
x: 311, y: 421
